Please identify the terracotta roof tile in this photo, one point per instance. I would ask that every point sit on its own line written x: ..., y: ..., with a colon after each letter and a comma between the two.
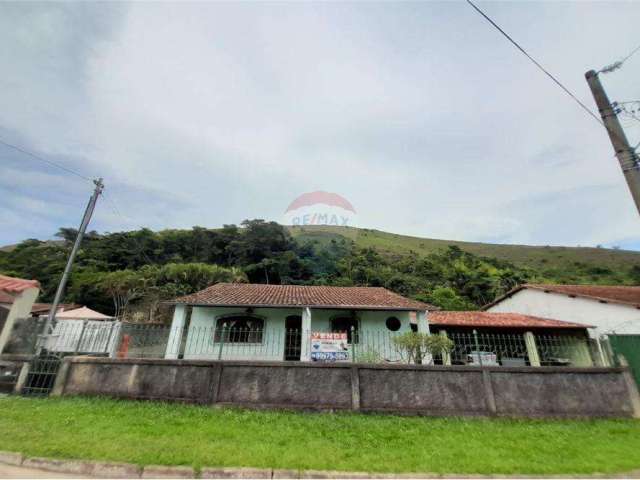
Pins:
x: 16, y: 285
x: 256, y: 295
x: 626, y: 295
x: 616, y: 294
x: 497, y: 320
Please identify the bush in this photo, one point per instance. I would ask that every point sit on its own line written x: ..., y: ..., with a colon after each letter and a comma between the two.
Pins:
x: 413, y: 346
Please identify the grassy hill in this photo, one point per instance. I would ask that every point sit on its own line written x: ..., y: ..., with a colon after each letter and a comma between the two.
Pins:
x: 538, y: 257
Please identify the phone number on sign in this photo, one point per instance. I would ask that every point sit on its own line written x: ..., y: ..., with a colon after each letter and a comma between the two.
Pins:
x: 330, y: 356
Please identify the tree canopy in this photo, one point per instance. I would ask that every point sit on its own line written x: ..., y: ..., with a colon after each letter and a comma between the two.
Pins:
x: 138, y: 270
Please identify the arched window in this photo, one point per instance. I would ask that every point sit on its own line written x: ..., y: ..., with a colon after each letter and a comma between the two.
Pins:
x: 345, y: 324
x: 239, y: 329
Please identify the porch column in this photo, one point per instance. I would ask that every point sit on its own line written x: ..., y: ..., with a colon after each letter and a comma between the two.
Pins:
x: 421, y: 319
x: 601, y: 355
x: 446, y: 356
x: 423, y: 327
x: 532, y: 349
x: 175, y: 334
x: 305, y: 347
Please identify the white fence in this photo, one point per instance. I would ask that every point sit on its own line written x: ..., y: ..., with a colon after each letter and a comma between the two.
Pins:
x: 84, y: 336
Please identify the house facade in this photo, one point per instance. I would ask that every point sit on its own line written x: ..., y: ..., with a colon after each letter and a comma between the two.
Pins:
x: 291, y: 322
x: 609, y: 309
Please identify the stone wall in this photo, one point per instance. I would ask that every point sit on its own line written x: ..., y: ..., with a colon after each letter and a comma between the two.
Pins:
x: 427, y: 390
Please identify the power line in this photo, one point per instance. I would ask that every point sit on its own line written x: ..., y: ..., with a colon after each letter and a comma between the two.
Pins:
x: 535, y: 62
x: 633, y: 52
x: 618, y: 64
x: 37, y: 157
x: 73, y: 172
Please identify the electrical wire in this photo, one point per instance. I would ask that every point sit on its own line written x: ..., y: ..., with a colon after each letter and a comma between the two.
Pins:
x: 79, y: 175
x: 633, y: 52
x: 536, y: 63
x: 37, y: 157
x: 618, y: 64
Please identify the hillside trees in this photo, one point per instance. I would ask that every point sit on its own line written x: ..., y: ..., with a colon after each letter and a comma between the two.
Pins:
x: 142, y: 268
x: 143, y: 290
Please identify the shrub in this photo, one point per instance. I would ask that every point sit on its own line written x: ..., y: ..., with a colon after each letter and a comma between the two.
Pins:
x: 413, y: 346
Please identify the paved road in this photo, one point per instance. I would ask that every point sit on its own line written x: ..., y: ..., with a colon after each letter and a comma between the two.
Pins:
x: 11, y: 471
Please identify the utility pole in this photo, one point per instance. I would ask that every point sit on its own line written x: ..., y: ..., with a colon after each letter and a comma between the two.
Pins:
x: 625, y: 154
x: 67, y: 269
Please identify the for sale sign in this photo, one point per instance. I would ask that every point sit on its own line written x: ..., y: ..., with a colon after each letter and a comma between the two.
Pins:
x: 329, y: 347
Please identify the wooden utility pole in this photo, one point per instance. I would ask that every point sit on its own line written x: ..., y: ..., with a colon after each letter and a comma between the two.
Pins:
x: 625, y: 154
x: 67, y: 269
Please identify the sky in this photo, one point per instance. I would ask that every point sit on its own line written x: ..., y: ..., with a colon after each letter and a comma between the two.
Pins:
x: 419, y: 113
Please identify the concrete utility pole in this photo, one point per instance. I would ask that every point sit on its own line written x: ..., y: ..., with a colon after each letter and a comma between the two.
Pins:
x: 67, y: 269
x: 625, y: 154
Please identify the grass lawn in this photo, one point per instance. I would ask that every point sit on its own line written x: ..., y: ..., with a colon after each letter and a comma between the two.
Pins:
x: 175, y: 434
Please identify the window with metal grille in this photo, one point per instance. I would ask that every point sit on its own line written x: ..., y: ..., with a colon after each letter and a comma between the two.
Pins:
x: 239, y: 329
x: 345, y: 324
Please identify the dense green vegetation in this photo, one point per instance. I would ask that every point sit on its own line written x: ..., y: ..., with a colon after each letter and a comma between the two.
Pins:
x: 132, y: 272
x: 555, y: 263
x: 175, y: 434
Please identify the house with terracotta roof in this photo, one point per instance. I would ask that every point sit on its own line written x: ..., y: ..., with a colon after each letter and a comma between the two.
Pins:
x: 291, y: 322
x: 17, y: 297
x: 609, y: 309
x: 513, y: 339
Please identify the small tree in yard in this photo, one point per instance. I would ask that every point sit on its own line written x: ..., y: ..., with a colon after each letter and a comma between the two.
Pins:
x: 123, y: 286
x: 413, y: 346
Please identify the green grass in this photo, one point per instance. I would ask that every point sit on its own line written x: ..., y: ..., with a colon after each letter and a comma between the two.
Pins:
x: 174, y: 434
x: 538, y: 257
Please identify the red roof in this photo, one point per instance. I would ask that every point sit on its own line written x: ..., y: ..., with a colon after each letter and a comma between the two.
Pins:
x: 43, y: 308
x: 496, y: 319
x: 258, y: 295
x: 16, y: 285
x: 6, y: 298
x: 626, y: 295
x: 38, y: 308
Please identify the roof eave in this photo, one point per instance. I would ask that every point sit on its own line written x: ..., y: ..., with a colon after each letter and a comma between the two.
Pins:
x: 551, y: 327
x: 325, y: 307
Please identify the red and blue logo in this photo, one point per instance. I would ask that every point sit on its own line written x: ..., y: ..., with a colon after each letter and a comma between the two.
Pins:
x: 320, y: 208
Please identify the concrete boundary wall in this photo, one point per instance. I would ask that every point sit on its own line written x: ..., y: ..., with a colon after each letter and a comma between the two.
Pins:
x: 408, y: 389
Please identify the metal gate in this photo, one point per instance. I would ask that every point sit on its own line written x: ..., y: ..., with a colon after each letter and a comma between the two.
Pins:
x: 42, y: 375
x: 629, y: 347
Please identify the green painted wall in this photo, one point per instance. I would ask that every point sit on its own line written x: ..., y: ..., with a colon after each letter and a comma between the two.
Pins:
x: 374, y: 337
x: 629, y: 347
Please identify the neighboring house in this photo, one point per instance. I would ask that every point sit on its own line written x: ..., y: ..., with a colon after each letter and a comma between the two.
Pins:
x: 275, y: 322
x: 37, y: 309
x: 83, y: 330
x: 81, y: 313
x: 610, y: 309
x: 40, y: 309
x: 512, y: 339
x: 16, y: 300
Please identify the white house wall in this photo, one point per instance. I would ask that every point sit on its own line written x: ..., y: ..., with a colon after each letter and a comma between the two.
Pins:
x: 606, y: 317
x: 21, y: 308
x: 375, y: 338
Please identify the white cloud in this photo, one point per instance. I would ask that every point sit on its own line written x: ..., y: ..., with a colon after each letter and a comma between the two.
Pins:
x: 420, y: 114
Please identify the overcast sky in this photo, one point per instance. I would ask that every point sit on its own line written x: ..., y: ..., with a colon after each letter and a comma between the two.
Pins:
x: 420, y: 114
